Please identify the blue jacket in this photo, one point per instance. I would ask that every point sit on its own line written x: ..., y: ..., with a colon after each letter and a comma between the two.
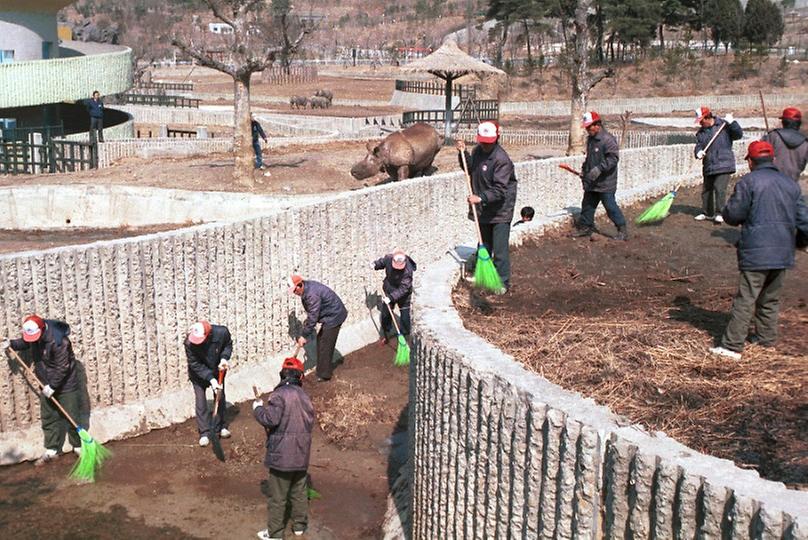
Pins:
x: 322, y: 305
x: 764, y: 203
x: 720, y: 158
x: 95, y: 108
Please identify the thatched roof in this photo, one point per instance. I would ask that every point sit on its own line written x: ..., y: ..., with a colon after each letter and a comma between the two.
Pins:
x: 449, y: 62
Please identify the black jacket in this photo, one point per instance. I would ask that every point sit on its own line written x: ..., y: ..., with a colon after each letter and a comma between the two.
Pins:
x: 790, y: 151
x: 322, y: 305
x: 203, y: 359
x: 719, y: 159
x: 397, y: 283
x: 765, y: 204
x: 494, y: 181
x: 288, y: 418
x: 600, y: 166
x: 257, y: 131
x: 54, y: 361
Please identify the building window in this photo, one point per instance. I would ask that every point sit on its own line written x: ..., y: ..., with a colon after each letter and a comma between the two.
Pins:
x: 6, y: 56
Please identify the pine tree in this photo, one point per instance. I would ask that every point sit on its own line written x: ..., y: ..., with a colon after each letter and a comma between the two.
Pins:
x: 726, y: 22
x: 763, y: 23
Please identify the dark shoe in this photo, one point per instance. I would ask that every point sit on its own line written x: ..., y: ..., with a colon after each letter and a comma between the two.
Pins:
x: 622, y: 234
x: 323, y: 379
x: 582, y: 232
x: 755, y: 339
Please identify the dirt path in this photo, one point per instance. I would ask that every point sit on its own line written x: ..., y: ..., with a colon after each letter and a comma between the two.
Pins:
x: 629, y: 324
x: 161, y: 485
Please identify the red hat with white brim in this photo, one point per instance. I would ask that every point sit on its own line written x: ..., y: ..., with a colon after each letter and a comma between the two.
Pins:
x: 590, y: 118
x: 294, y: 282
x: 32, y: 328
x: 487, y: 133
x: 701, y: 112
x: 199, y: 332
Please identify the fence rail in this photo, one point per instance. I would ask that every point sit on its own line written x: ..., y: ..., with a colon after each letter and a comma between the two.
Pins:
x: 48, y: 156
x: 158, y: 100
x: 477, y: 111
x: 176, y: 87
x: 436, y: 89
x: 294, y: 75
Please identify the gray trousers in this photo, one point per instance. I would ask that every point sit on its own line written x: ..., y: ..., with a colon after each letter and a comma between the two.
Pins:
x: 287, y: 492
x: 714, y: 193
x: 758, y: 299
x: 203, y: 414
x: 54, y: 425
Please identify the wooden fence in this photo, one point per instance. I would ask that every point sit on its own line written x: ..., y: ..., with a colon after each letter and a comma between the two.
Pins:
x: 49, y: 156
x: 158, y: 100
x: 164, y: 86
x: 295, y: 75
x: 471, y: 114
x: 436, y: 89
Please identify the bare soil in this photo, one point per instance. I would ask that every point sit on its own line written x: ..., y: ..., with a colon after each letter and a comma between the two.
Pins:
x: 629, y: 324
x: 12, y: 241
x: 162, y: 485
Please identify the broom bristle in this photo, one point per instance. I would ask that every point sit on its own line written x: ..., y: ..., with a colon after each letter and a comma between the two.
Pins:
x: 312, y: 494
x: 93, y: 454
x: 485, y: 273
x: 402, y: 352
x: 657, y: 211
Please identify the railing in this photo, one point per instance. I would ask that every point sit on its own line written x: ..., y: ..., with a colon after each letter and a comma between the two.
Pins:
x: 435, y: 88
x: 477, y: 111
x: 177, y: 87
x: 294, y: 75
x: 49, y: 156
x: 181, y: 133
x: 158, y: 100
x: 24, y: 133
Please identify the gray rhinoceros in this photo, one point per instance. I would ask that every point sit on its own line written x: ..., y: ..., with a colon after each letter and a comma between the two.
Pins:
x: 404, y: 154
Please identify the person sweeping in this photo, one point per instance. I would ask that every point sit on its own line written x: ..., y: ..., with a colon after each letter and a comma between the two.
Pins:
x: 288, y: 418
x: 397, y: 287
x: 493, y: 196
x: 55, y: 368
x: 714, y: 147
x: 208, y: 348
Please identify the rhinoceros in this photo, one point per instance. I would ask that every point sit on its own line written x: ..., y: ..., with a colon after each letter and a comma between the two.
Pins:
x: 404, y: 154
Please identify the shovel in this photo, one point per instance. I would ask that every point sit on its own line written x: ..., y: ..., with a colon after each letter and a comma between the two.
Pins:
x: 216, y: 444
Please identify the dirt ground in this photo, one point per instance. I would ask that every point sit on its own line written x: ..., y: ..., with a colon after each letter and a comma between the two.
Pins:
x: 293, y: 169
x: 162, y: 485
x: 629, y: 324
x: 13, y: 241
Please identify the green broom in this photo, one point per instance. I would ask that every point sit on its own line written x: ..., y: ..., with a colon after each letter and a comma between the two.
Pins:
x: 93, y: 454
x: 657, y: 211
x: 403, y: 350
x: 485, y: 273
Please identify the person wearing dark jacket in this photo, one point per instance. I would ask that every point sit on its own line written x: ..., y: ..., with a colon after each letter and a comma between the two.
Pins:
x: 765, y: 204
x: 95, y: 108
x: 257, y: 131
x: 599, y: 178
x: 322, y: 306
x: 288, y: 418
x: 718, y: 161
x: 397, y: 286
x: 790, y: 146
x: 208, y: 349
x: 55, y: 367
x: 493, y: 182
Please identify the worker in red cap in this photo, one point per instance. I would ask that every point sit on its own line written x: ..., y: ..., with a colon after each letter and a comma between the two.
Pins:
x: 766, y: 204
x: 599, y: 177
x: 288, y: 418
x: 208, y: 348
x: 718, y: 160
x: 790, y: 146
x: 322, y: 306
x: 55, y: 367
x: 397, y: 287
x: 493, y: 182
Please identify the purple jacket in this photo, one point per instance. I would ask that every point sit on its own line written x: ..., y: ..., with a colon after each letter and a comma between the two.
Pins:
x: 288, y: 418
x: 322, y: 305
x: 54, y: 361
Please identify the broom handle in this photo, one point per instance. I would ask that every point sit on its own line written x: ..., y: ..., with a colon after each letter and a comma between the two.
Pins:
x: 471, y: 192
x: 709, y: 144
x: 392, y: 316
x: 31, y: 374
x: 763, y: 106
x: 297, y: 351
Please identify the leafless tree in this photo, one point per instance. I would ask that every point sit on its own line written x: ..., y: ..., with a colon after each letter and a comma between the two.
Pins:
x: 253, y: 45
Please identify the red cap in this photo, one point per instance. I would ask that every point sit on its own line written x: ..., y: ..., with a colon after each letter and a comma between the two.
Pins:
x: 199, y: 332
x: 759, y: 149
x: 294, y: 282
x: 701, y: 112
x: 590, y: 118
x: 293, y: 363
x: 32, y: 328
x: 791, y: 113
x: 487, y: 132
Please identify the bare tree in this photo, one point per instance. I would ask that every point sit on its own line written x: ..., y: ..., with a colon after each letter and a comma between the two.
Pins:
x: 252, y: 46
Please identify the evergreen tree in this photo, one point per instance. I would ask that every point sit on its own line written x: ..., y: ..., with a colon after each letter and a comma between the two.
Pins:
x: 726, y: 22
x: 763, y: 23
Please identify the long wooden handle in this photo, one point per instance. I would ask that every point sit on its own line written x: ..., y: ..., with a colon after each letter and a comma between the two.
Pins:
x: 297, y: 351
x: 256, y: 392
x: 763, y: 106
x: 569, y: 169
x: 31, y: 374
x: 392, y: 316
x: 709, y: 144
x: 471, y: 192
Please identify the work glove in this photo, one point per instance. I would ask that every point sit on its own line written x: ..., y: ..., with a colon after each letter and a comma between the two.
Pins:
x: 373, y: 265
x: 593, y: 174
x: 700, y: 154
x: 302, y: 341
x: 214, y: 384
x: 48, y: 391
x: 5, y: 344
x: 257, y: 403
x: 223, y: 364
x: 386, y: 300
x: 729, y: 118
